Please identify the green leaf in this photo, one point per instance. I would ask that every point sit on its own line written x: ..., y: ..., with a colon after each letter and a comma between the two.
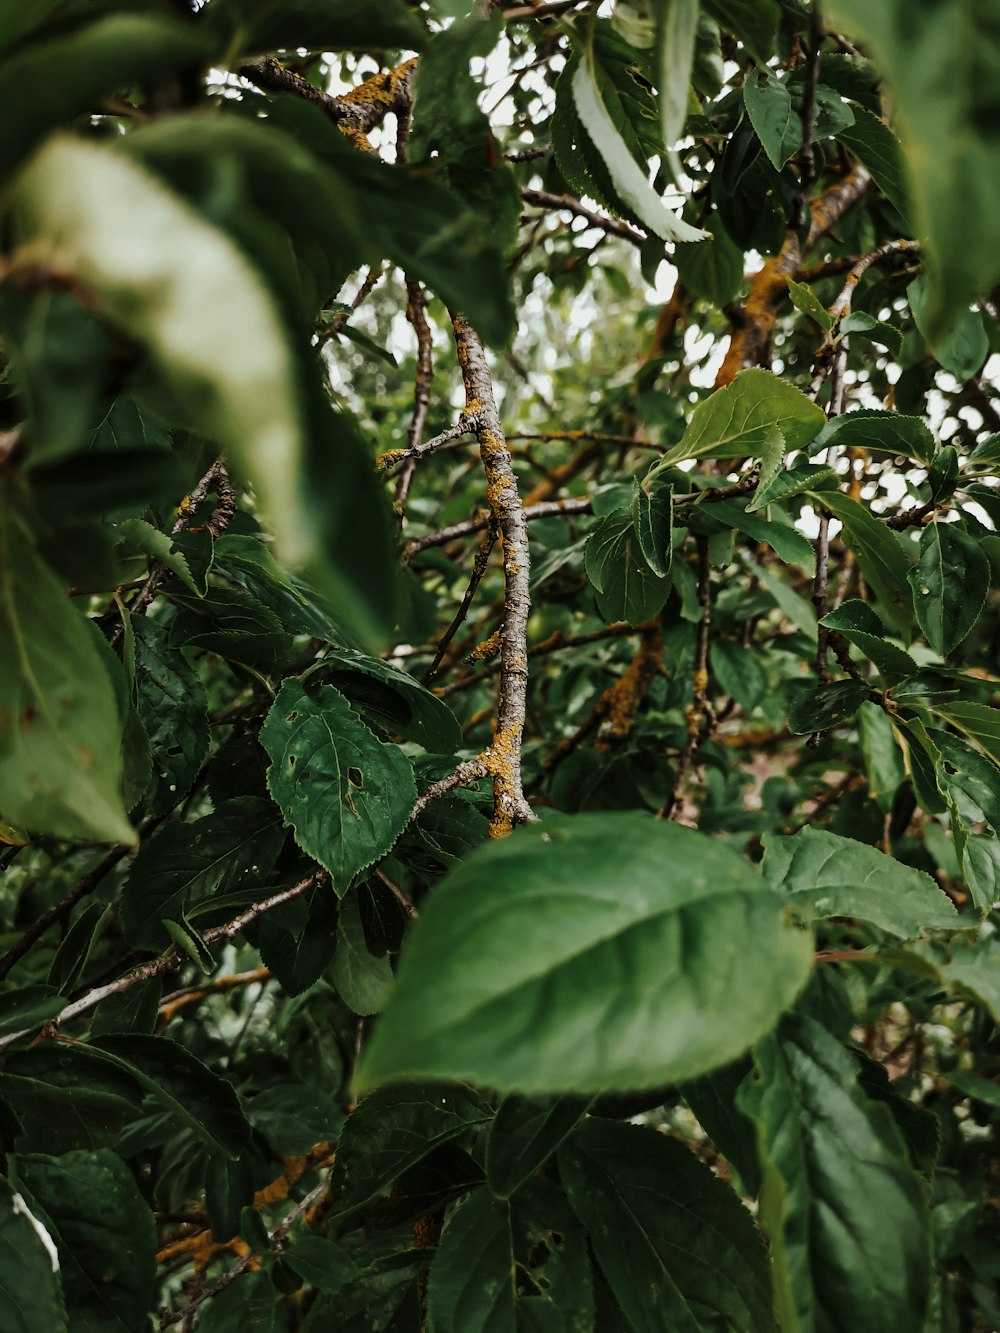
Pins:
x: 363, y: 981
x: 347, y: 794
x: 979, y: 722
x: 173, y: 709
x: 28, y: 1007
x: 782, y: 485
x: 529, y: 1258
x: 104, y: 1231
x: 879, y: 554
x: 78, y: 68
x: 301, y: 948
x: 204, y: 1101
x: 792, y: 605
x: 170, y: 550
x: 787, y: 543
x: 949, y: 581
x: 739, y: 672
x: 321, y: 1263
x: 294, y: 1117
x: 219, y: 338
x: 776, y: 122
x: 524, y: 1135
x: 247, y: 1305
x: 713, y: 271
x: 234, y: 847
x: 878, y: 432
x: 653, y: 515
x: 74, y: 951
x: 318, y: 25
x: 753, y: 22
x: 876, y: 147
x: 392, y: 698
x: 676, y: 30
x: 827, y: 706
x: 961, y: 347
x: 738, y: 419
x: 629, y: 179
x: 883, y: 760
x: 945, y: 121
x: 627, y: 588
x: 974, y: 972
x: 864, y: 630
x: 866, y: 326
x: 981, y: 871
x: 842, y: 1206
x: 806, y: 300
x: 587, y: 899
x: 833, y: 876
x: 31, y: 1298
x: 677, y: 1247
x: 60, y: 735
x: 967, y: 778
x: 392, y: 1129
x: 712, y: 1098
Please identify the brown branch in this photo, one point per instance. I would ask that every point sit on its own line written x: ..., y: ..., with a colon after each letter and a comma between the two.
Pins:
x: 172, y: 958
x: 753, y: 325
x: 416, y: 313
x: 547, y: 509
x: 599, y: 437
x: 568, y: 204
x: 356, y: 113
x: 478, y: 570
x: 672, y: 807
x: 171, y: 1005
x: 503, y: 756
x: 392, y: 458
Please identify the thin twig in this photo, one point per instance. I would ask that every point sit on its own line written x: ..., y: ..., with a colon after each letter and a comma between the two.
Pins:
x: 567, y: 203
x: 478, y: 570
x: 391, y: 459
x: 673, y: 806
x: 545, y: 509
x: 166, y: 962
x: 807, y: 156
x: 416, y: 313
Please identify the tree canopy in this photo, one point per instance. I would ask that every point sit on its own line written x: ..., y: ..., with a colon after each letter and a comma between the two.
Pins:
x: 499, y: 704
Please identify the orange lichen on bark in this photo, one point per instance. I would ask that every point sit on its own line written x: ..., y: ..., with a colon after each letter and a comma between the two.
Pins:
x: 752, y: 328
x: 621, y: 701
x: 488, y: 648
x: 375, y: 98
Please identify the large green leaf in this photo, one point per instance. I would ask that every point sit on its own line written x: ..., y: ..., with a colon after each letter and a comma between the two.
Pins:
x: 943, y: 68
x: 77, y: 69
x: 961, y: 346
x: 627, y: 175
x: 363, y: 981
x: 776, y: 121
x: 201, y: 1099
x: 879, y: 432
x: 875, y: 145
x: 676, y: 30
x: 610, y: 953
x: 979, y: 722
x: 219, y: 337
x: 738, y: 419
x: 627, y: 588
x: 173, y: 709
x: 950, y: 581
x: 832, y: 876
x: 713, y: 271
x: 677, y: 1247
x: 882, y: 559
x: 347, y: 794
x: 392, y: 698
x: 60, y: 733
x: 31, y: 1298
x: 754, y: 22
x: 974, y: 972
x: 841, y: 1204
x: 105, y: 1233
x: 524, y: 1134
x: 504, y: 1266
x: 234, y: 847
x: 394, y: 1128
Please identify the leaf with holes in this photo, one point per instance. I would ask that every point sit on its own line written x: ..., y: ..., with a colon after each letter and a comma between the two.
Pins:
x: 347, y: 794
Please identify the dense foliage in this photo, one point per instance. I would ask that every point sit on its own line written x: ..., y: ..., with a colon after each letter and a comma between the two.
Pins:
x: 499, y: 744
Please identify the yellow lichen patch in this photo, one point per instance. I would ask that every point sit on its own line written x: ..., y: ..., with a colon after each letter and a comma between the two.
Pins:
x: 488, y: 648
x: 621, y: 701
x: 388, y: 458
